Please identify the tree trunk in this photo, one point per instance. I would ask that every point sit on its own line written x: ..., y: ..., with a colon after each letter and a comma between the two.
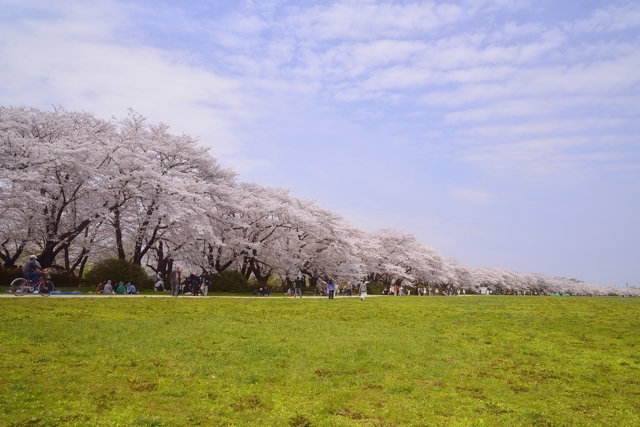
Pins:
x: 164, y: 265
x: 118, y: 229
x: 83, y: 262
x: 8, y: 259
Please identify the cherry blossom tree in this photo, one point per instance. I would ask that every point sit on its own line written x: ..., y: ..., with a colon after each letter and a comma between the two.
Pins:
x: 47, y: 170
x: 396, y: 257
x: 75, y: 189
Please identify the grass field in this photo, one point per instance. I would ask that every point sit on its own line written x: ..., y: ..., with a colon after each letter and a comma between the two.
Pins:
x: 388, y: 361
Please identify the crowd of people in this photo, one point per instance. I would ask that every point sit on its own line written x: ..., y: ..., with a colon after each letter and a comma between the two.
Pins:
x: 399, y: 290
x: 107, y: 288
x: 330, y: 289
x: 192, y: 285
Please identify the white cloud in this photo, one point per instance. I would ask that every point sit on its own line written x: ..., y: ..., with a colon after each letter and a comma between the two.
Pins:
x: 79, y: 59
x: 480, y: 81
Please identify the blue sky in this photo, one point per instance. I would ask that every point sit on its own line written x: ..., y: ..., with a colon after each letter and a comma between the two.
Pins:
x: 504, y: 133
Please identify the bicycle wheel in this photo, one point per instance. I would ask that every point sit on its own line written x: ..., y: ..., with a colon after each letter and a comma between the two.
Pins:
x: 45, y: 288
x: 20, y: 287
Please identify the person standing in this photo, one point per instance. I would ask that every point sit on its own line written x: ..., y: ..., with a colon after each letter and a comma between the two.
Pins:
x: 349, y: 288
x: 205, y: 280
x: 175, y: 282
x: 363, y: 290
x: 331, y: 287
x: 298, y: 286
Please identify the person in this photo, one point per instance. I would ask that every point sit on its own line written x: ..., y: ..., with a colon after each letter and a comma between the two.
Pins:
x: 331, y: 287
x: 298, y: 285
x: 205, y: 281
x: 108, y: 288
x: 363, y: 290
x: 120, y: 289
x: 186, y: 286
x: 175, y: 282
x: 100, y: 287
x: 194, y: 284
x: 349, y: 288
x: 32, y: 269
x: 159, y: 283
x: 321, y: 288
x: 132, y: 289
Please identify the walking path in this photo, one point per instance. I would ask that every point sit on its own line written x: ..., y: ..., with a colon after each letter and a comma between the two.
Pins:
x: 9, y: 295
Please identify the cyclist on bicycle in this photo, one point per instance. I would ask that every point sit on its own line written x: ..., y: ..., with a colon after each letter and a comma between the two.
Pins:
x: 32, y: 269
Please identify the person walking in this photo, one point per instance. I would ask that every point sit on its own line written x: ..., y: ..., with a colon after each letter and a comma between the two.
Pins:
x: 175, y: 282
x: 363, y: 290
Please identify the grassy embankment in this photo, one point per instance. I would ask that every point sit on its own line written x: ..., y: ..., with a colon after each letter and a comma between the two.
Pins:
x: 478, y: 361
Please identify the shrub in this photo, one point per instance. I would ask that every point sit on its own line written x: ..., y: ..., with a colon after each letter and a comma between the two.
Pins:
x: 65, y: 279
x: 7, y: 276
x: 118, y: 270
x: 229, y: 281
x: 375, y: 288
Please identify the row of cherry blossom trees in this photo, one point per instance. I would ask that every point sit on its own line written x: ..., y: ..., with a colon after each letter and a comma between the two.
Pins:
x: 75, y: 189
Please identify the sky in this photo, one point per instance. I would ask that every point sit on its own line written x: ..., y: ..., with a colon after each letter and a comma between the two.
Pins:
x: 504, y: 133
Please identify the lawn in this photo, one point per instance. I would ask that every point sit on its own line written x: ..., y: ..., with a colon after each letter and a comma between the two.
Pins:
x: 388, y: 361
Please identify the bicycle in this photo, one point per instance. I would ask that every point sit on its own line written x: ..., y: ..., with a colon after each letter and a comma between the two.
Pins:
x: 43, y: 286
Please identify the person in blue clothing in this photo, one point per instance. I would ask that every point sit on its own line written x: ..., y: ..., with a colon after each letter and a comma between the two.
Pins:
x: 132, y: 289
x: 331, y: 287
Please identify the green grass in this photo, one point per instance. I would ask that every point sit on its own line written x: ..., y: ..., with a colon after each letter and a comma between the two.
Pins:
x: 465, y: 361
